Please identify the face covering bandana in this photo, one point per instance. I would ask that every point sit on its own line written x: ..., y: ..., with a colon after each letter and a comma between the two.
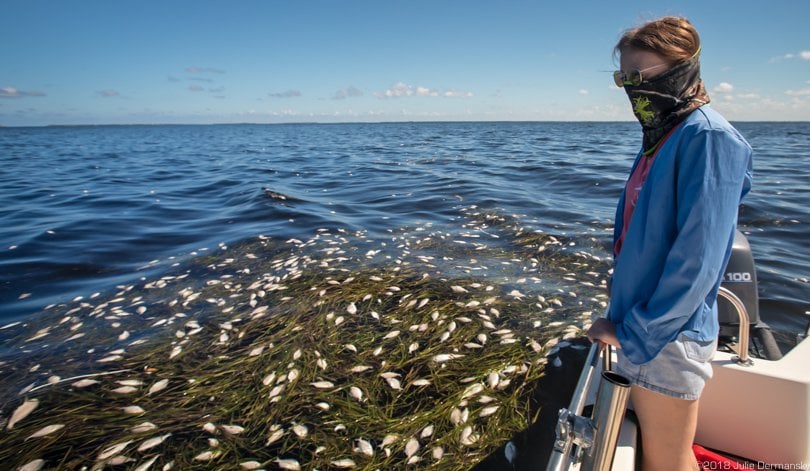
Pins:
x: 662, y: 102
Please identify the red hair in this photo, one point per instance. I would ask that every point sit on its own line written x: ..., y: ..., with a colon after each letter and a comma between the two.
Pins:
x: 671, y: 37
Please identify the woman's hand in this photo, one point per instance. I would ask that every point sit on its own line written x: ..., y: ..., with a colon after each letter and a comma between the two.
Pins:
x: 604, y: 331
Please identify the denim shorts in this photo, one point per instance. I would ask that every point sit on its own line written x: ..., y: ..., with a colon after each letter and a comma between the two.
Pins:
x: 680, y: 370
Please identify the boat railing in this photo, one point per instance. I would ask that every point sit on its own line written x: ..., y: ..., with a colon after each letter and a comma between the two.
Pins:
x: 745, y: 326
x: 591, y: 440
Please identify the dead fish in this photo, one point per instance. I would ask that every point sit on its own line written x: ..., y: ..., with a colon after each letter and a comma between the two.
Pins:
x: 22, y: 412
x: 344, y: 463
x: 35, y: 465
x: 364, y: 447
x: 443, y: 357
x: 46, y: 431
x: 300, y: 430
x: 487, y: 411
x: 278, y: 432
x: 411, y: 447
x: 288, y: 464
x: 124, y: 390
x: 113, y: 450
x: 394, y: 383
x: 323, y: 384
x: 133, y: 410
x: 157, y: 387
x: 250, y: 465
x: 356, y: 393
x: 143, y: 427
x: 232, y: 429
x: 83, y: 383
x: 148, y: 464
x: 207, y: 455
x: 153, y: 442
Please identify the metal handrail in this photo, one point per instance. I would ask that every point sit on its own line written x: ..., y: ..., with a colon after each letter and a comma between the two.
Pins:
x: 595, y: 436
x: 745, y: 326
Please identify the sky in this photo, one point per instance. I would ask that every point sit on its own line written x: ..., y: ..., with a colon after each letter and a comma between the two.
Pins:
x: 275, y: 61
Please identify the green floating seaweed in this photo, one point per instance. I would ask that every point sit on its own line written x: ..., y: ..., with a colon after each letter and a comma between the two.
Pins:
x: 335, y: 352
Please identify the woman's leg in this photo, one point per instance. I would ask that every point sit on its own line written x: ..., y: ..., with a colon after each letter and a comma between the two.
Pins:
x: 667, y: 430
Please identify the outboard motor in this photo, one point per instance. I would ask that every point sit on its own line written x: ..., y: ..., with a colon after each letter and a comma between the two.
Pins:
x: 740, y: 278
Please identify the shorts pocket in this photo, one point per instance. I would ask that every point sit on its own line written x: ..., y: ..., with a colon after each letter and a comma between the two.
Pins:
x: 698, y: 350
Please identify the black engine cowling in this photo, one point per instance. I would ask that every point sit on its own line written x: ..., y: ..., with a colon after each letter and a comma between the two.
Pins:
x: 740, y: 277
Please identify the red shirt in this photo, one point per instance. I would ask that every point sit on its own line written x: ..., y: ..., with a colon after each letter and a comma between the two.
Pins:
x: 633, y: 188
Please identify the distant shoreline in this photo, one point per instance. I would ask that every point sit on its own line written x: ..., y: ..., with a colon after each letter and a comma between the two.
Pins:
x: 322, y: 123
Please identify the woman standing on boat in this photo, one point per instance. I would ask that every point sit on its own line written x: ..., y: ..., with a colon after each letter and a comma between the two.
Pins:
x: 673, y: 234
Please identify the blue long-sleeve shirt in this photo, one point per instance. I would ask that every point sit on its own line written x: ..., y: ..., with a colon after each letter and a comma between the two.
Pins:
x: 667, y: 275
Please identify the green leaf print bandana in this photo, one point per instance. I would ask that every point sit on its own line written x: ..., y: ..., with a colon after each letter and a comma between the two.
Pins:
x: 662, y: 102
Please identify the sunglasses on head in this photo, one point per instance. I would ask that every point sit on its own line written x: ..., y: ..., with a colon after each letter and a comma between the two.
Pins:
x: 634, y: 78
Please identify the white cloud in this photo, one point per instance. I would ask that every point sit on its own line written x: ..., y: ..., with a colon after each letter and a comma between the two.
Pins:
x: 805, y: 55
x: 458, y: 94
x: 402, y: 89
x: 286, y: 94
x: 583, y: 91
x: 800, y: 92
x: 11, y: 92
x: 349, y: 92
x: 723, y: 87
x: 204, y: 70
x: 424, y: 91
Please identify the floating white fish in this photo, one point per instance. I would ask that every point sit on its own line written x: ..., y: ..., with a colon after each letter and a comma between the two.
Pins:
x: 356, y: 393
x: 21, y: 412
x: 35, y: 465
x: 411, y: 447
x: 153, y: 442
x: 250, y: 465
x: 388, y: 440
x: 207, y: 455
x: 113, y: 450
x: 438, y: 453
x: 510, y: 452
x: 426, y: 432
x: 390, y: 335
x: 288, y: 464
x: 360, y: 368
x: 278, y: 432
x: 232, y: 429
x: 421, y: 382
x: 133, y: 410
x: 46, y: 431
x: 124, y: 390
x: 352, y: 309
x: 394, y: 383
x: 210, y: 428
x: 300, y: 430
x: 143, y: 427
x: 487, y: 411
x: 344, y: 463
x: 364, y: 447
x: 157, y: 387
x: 443, y: 357
x: 148, y: 464
x: 323, y: 384
x: 467, y: 436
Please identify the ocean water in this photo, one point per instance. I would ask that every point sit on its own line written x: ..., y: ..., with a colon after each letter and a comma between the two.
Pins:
x: 149, y: 266
x: 83, y: 209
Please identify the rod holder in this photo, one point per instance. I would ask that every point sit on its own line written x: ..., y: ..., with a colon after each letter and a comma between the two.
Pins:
x: 608, y: 414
